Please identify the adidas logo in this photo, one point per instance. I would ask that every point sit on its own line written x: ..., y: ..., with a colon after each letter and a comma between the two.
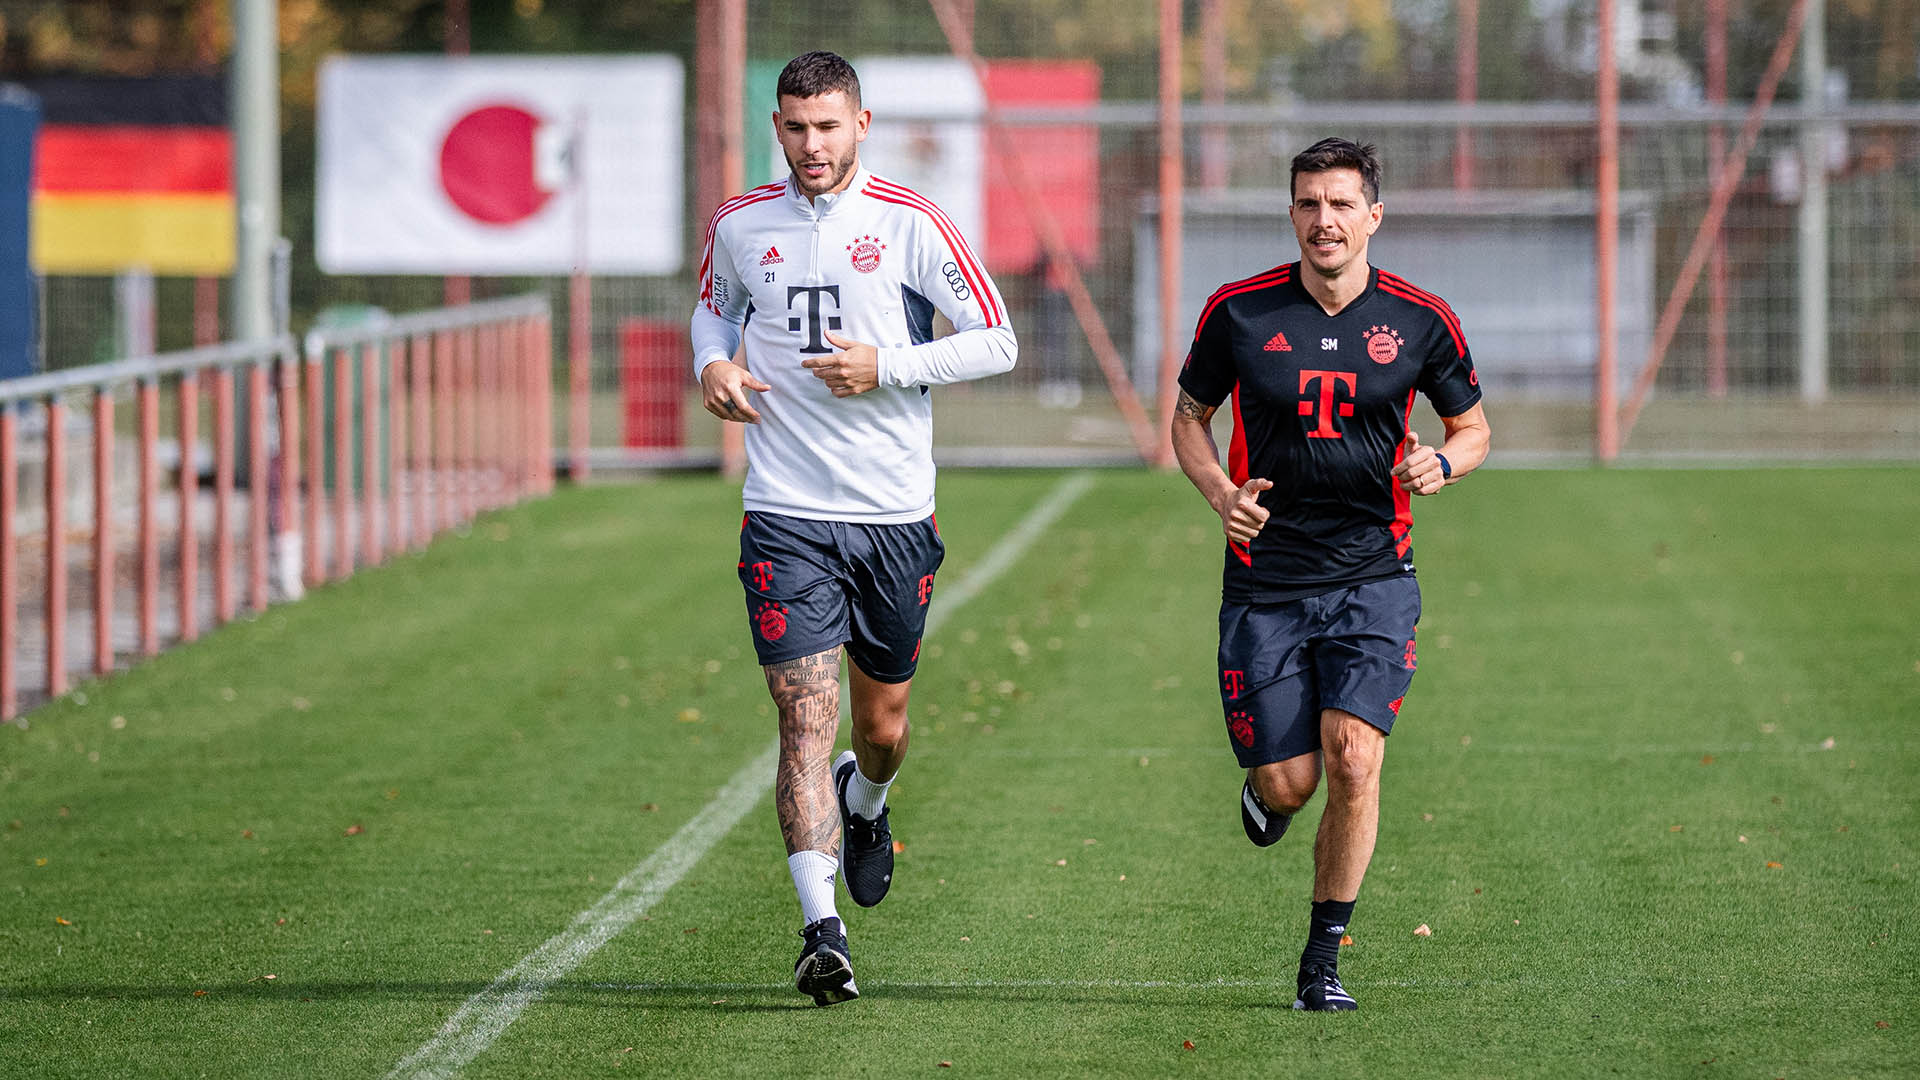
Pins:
x: 1278, y: 343
x: 771, y: 257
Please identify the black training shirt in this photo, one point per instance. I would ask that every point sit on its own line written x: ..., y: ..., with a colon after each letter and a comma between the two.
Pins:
x: 1321, y: 405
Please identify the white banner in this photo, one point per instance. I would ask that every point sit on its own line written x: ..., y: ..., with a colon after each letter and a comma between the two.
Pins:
x: 499, y: 165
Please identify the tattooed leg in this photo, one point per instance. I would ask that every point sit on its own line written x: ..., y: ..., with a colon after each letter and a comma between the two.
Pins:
x: 807, y: 693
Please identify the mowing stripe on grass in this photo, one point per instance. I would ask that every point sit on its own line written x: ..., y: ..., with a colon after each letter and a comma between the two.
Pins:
x: 481, y: 1018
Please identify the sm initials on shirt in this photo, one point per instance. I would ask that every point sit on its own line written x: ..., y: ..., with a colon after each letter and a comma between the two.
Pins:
x: 1325, y: 395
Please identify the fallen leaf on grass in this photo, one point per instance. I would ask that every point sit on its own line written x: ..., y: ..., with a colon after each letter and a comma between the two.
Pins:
x: 1708, y: 760
x: 898, y: 847
x: 356, y: 829
x: 1426, y: 817
x: 1188, y: 1045
x: 199, y: 993
x: 62, y: 921
x: 1882, y: 1024
x: 1773, y: 866
x: 1675, y: 828
x: 280, y: 922
x: 1743, y: 838
x: 1827, y: 743
x: 719, y: 1001
x: 649, y: 807
x: 691, y: 930
x: 1060, y: 862
x: 1423, y: 930
x: 946, y: 1064
x: 246, y: 834
x: 1346, y: 939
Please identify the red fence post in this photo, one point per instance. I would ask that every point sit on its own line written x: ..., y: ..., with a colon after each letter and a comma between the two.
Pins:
x: 419, y: 361
x: 289, y: 475
x: 316, y: 392
x: 56, y: 599
x: 369, y: 501
x: 103, y: 569
x: 469, y: 416
x: 545, y: 353
x: 149, y: 542
x: 443, y: 399
x: 396, y: 443
x: 342, y: 462
x: 258, y: 485
x: 223, y: 495
x: 189, y: 483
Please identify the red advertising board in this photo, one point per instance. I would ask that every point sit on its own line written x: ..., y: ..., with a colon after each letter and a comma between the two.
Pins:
x: 1061, y: 160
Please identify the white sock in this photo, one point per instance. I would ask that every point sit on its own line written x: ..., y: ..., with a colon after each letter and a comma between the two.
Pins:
x: 864, y: 797
x: 813, y: 879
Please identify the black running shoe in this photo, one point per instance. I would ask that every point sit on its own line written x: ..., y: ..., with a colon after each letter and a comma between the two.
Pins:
x: 1320, y: 990
x: 825, y: 967
x: 866, y: 847
x: 1264, y: 827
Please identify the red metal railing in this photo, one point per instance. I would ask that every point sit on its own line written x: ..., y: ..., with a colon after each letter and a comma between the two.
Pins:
x: 412, y: 426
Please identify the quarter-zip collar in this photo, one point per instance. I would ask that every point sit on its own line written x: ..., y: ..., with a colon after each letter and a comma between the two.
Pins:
x: 826, y: 205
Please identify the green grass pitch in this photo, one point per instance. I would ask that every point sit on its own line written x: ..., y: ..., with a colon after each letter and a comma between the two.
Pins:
x: 1654, y: 793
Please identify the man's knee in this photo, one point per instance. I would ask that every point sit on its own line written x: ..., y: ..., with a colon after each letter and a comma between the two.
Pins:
x: 1285, y: 786
x: 880, y: 714
x: 1354, y: 750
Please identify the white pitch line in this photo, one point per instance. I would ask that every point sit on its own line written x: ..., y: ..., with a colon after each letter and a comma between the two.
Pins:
x: 481, y: 1018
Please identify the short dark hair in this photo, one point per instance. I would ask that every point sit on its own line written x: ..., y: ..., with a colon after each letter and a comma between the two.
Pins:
x: 1329, y: 154
x: 816, y: 73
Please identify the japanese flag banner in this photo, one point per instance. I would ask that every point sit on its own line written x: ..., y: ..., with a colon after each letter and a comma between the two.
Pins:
x: 499, y: 165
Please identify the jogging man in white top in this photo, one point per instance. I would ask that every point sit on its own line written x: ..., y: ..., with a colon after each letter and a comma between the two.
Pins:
x: 836, y: 274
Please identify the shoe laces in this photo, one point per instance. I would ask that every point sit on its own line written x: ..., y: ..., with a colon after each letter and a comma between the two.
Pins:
x: 1321, y: 974
x: 863, y: 832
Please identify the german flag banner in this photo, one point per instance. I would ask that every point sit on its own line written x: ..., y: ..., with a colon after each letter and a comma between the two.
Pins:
x: 133, y: 172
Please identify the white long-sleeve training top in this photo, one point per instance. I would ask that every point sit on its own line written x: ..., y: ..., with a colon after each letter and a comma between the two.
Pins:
x: 872, y: 264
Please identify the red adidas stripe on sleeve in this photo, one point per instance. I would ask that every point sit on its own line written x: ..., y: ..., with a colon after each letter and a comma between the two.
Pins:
x: 756, y: 195
x: 976, y: 278
x: 1397, y: 286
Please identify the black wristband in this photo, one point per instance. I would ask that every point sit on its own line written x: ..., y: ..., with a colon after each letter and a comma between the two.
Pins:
x: 1446, y: 470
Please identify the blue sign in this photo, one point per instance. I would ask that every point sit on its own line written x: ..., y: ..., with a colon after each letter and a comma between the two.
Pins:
x: 19, y: 309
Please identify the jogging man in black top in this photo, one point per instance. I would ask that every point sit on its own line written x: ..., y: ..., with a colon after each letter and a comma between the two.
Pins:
x: 1318, y: 604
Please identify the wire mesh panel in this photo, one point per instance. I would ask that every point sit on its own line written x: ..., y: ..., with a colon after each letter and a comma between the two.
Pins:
x: 1484, y: 115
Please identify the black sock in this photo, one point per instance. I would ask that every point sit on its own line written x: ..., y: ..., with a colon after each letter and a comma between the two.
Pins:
x: 1330, y: 918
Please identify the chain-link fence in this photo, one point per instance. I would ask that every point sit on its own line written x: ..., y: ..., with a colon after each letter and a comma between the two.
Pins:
x: 1484, y: 115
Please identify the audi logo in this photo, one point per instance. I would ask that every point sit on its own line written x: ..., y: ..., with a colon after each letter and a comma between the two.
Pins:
x: 956, y: 282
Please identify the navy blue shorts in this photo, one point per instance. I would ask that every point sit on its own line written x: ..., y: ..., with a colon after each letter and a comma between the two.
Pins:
x: 1281, y: 664
x: 816, y: 585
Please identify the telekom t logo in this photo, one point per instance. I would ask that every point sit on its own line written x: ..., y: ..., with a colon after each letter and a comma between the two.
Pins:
x: 810, y: 324
x: 762, y: 575
x: 1233, y: 682
x: 926, y: 589
x: 1320, y: 404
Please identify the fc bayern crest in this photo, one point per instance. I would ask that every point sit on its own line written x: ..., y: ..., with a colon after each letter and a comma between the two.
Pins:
x: 773, y: 622
x: 1383, y: 344
x: 1241, y: 725
x: 866, y: 253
